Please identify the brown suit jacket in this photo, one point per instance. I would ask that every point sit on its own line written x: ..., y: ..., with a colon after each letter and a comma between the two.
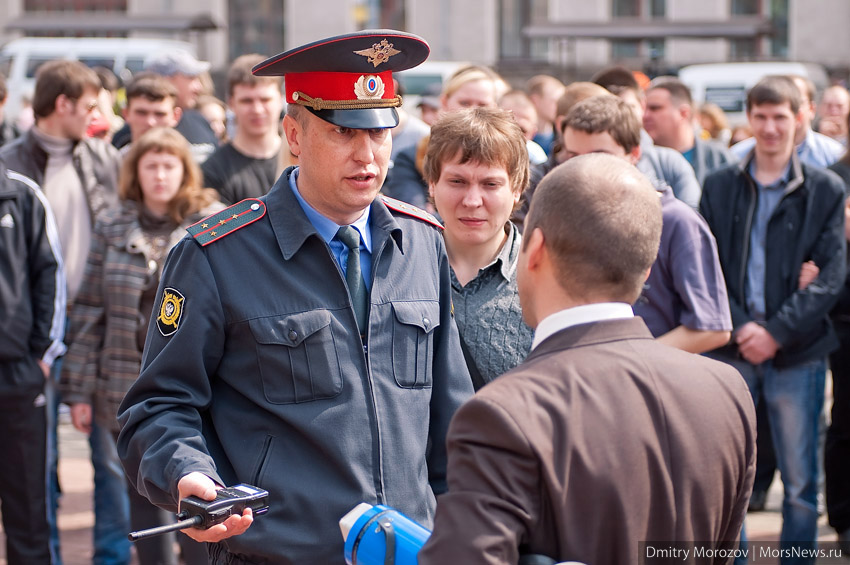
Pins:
x: 601, y: 439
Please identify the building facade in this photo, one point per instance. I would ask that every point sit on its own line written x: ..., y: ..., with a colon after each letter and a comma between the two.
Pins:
x: 568, y: 38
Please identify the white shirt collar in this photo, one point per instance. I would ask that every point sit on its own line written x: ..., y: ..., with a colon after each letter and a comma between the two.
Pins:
x: 584, y: 314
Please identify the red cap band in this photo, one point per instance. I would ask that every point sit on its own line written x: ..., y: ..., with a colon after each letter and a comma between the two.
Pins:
x: 332, y: 86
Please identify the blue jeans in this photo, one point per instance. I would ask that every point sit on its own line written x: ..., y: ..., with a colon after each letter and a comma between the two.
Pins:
x: 794, y: 400
x: 111, y: 504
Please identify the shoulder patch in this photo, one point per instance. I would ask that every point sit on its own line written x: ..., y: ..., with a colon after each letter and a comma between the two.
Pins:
x: 213, y: 228
x: 410, y: 210
x: 170, y: 311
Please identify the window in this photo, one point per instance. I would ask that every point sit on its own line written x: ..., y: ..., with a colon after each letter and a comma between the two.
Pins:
x: 514, y: 16
x: 625, y: 49
x: 638, y: 8
x: 108, y: 62
x: 256, y: 26
x: 656, y: 49
x: 33, y: 63
x: 779, y: 16
x: 657, y: 8
x: 745, y: 7
x: 75, y: 5
x: 744, y: 49
x: 625, y: 8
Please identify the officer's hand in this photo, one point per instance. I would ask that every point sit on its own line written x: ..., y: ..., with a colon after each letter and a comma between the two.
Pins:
x: 200, y: 485
x: 81, y: 416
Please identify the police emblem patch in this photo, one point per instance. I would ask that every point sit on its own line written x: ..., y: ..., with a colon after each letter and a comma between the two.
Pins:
x: 170, y: 311
x: 368, y: 87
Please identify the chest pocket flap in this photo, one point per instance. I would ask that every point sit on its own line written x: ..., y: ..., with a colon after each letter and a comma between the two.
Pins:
x: 413, y: 342
x: 297, y: 358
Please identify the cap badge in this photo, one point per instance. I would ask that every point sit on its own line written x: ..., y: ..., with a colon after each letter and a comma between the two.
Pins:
x: 368, y: 87
x: 379, y: 52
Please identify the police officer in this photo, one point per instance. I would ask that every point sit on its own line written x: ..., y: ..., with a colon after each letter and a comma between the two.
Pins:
x: 304, y: 342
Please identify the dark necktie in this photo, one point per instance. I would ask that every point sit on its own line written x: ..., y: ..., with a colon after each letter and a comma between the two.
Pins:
x: 353, y: 276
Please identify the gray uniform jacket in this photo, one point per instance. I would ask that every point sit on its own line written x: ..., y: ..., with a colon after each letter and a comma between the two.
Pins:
x: 266, y: 380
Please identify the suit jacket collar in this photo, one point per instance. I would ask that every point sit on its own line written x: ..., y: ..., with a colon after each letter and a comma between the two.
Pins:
x: 594, y: 333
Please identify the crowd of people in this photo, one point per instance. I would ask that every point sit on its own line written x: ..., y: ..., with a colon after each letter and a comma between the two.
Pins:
x: 515, y: 317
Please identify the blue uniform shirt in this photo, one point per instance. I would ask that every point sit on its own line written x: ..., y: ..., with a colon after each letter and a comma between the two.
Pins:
x: 327, y: 230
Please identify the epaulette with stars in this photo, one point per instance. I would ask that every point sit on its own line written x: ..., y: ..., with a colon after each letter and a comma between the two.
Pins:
x: 410, y: 210
x: 212, y: 228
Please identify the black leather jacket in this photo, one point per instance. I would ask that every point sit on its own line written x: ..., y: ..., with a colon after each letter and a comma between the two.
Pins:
x: 808, y: 224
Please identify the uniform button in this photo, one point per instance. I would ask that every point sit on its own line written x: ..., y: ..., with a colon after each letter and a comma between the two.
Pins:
x: 426, y: 322
x: 255, y: 207
x: 293, y: 335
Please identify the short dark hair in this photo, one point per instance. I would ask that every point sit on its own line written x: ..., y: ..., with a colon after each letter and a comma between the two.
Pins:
x: 601, y: 223
x: 108, y: 80
x: 607, y: 114
x: 775, y: 89
x: 479, y: 135
x: 679, y: 92
x: 240, y: 73
x: 56, y: 78
x: 617, y: 79
x: 152, y: 87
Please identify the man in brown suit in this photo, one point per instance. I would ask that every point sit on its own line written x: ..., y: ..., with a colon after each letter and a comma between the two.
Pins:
x: 603, y: 438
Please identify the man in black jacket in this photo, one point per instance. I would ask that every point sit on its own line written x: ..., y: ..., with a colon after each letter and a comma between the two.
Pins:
x: 769, y: 215
x: 32, y: 320
x: 79, y: 178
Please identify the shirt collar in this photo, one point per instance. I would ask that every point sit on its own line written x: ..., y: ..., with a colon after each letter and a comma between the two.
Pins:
x: 509, y: 251
x: 778, y: 183
x: 584, y: 314
x: 326, y: 227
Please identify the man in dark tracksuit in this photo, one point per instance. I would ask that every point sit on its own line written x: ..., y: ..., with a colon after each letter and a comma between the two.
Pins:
x: 269, y: 363
x: 32, y: 320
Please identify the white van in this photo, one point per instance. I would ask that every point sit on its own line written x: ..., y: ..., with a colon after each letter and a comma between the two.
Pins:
x: 20, y: 59
x: 726, y: 84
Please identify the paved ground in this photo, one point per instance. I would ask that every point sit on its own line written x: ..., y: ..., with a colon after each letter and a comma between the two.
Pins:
x: 76, y: 517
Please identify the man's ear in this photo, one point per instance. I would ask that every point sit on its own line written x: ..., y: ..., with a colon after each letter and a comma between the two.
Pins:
x: 534, y: 250
x: 292, y: 131
x: 178, y: 114
x: 648, y: 270
x: 61, y: 104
